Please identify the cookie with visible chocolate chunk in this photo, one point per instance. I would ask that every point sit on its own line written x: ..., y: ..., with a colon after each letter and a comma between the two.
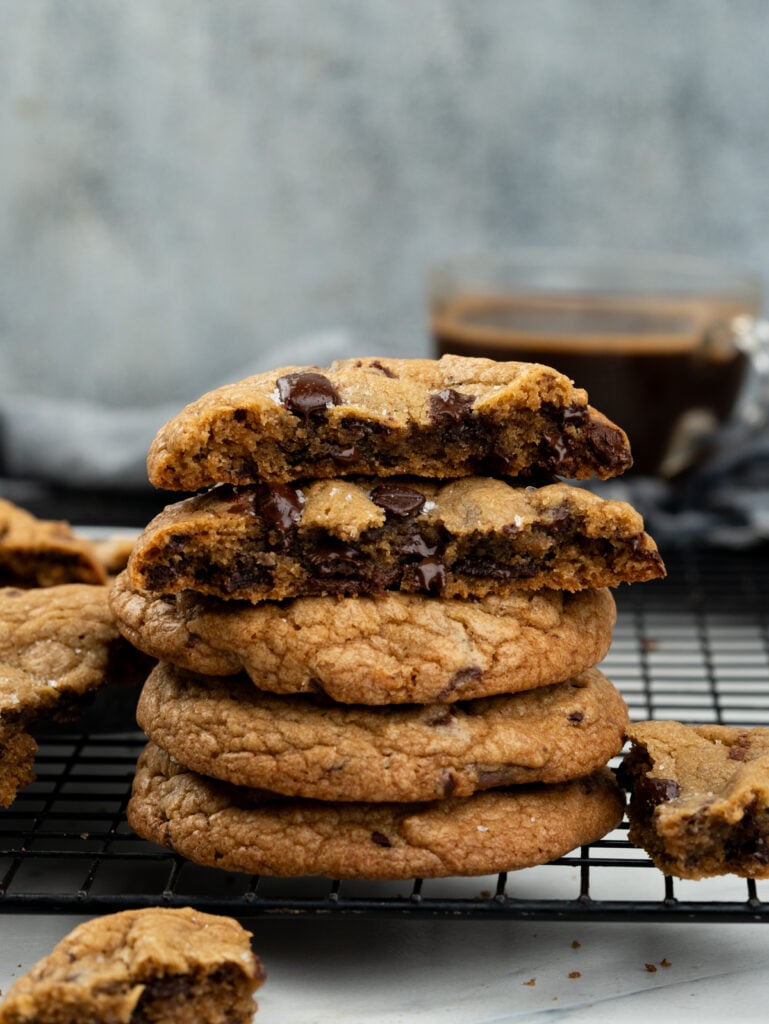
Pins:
x: 455, y: 416
x: 349, y: 536
x: 43, y: 553
x: 699, y: 797
x: 392, y: 649
x: 58, y: 646
x: 304, y: 746
x: 179, y: 966
x: 242, y: 829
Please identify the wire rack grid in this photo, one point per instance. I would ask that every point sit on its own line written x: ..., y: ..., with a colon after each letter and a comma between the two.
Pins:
x: 694, y: 647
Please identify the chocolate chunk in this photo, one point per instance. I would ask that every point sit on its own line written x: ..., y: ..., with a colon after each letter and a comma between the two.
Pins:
x: 384, y: 369
x: 608, y: 444
x: 343, y: 455
x: 739, y: 749
x: 416, y: 544
x: 498, y: 777
x: 380, y: 839
x: 333, y: 557
x: 574, y: 415
x: 450, y: 406
x: 307, y: 393
x: 575, y: 717
x: 555, y: 450
x: 431, y: 573
x: 651, y: 791
x: 398, y: 499
x: 279, y: 505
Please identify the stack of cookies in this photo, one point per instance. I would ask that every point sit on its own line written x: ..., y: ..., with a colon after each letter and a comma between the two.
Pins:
x: 377, y: 623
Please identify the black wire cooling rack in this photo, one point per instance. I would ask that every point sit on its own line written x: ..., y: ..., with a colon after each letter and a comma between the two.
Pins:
x: 694, y: 647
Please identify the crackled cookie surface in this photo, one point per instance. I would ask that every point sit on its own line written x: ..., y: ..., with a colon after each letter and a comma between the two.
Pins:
x: 465, y: 538
x: 451, y: 417
x: 239, y: 829
x: 300, y: 746
x: 41, y: 553
x: 699, y: 797
x: 58, y: 645
x: 179, y: 966
x: 391, y: 649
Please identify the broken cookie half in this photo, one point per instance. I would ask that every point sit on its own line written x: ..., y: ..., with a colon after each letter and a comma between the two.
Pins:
x: 699, y: 797
x: 137, y: 966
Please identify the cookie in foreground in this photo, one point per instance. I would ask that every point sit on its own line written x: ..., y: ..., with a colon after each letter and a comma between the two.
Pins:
x: 392, y: 649
x: 463, y: 538
x: 178, y: 966
x: 302, y: 746
x: 699, y: 797
x: 240, y: 829
x: 450, y: 417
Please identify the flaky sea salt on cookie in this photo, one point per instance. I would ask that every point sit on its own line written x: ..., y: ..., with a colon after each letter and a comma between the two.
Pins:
x: 178, y: 966
x: 451, y: 417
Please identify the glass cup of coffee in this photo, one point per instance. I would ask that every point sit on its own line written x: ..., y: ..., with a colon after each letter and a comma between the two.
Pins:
x: 671, y: 348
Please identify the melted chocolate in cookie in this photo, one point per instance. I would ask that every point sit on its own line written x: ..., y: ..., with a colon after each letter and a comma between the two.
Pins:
x: 307, y: 393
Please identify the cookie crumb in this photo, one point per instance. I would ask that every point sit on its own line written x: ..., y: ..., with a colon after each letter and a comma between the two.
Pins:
x: 575, y: 944
x: 650, y: 968
x: 665, y: 963
x: 575, y: 974
x: 530, y: 982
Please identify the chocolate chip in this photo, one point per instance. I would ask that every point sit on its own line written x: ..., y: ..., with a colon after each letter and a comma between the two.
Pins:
x: 448, y: 783
x: 416, y: 544
x: 575, y: 717
x: 608, y: 444
x: 450, y: 406
x: 332, y: 557
x: 574, y: 415
x: 307, y: 393
x: 384, y: 369
x: 380, y: 839
x: 279, y: 505
x: 431, y: 573
x: 345, y: 455
x: 650, y: 791
x: 398, y: 499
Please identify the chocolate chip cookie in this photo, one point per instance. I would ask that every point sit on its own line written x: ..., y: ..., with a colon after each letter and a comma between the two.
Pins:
x: 349, y: 536
x: 58, y: 645
x: 451, y: 417
x: 157, y: 964
x: 699, y: 797
x: 300, y: 746
x: 241, y: 829
x: 42, y: 553
x: 392, y: 649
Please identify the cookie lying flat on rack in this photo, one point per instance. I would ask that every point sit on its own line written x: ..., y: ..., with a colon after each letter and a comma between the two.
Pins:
x: 178, y: 966
x: 464, y: 538
x: 239, y: 829
x: 451, y: 417
x: 699, y: 797
x: 58, y: 645
x: 391, y: 649
x: 300, y: 746
x: 42, y: 553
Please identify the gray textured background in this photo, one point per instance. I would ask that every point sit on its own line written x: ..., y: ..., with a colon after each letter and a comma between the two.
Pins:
x: 185, y: 184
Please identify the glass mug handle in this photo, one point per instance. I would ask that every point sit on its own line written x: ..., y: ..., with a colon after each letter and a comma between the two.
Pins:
x: 749, y: 335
